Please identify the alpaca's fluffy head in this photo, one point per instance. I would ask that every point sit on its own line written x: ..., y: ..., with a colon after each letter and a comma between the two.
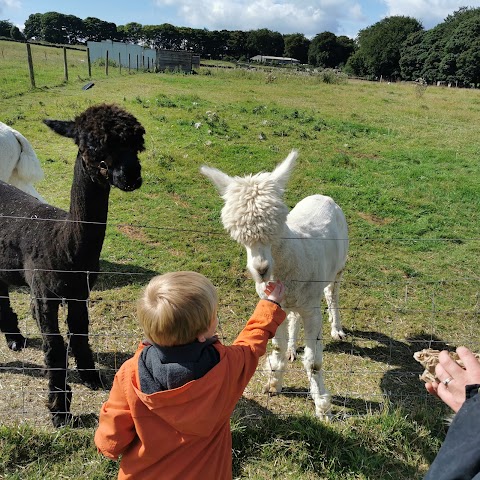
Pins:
x: 254, y: 211
x: 109, y: 140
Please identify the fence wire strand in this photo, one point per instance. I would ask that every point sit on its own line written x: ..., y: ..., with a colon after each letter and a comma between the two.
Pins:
x: 369, y: 366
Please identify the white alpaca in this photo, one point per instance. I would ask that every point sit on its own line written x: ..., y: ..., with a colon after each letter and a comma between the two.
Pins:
x: 19, y: 165
x: 306, y: 248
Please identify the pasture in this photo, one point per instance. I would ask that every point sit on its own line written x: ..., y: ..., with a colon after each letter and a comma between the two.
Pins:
x: 400, y: 161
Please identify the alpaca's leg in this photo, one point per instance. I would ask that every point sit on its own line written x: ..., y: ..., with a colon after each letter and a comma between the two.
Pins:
x: 276, y: 361
x: 77, y: 320
x: 332, y: 292
x: 9, y: 321
x: 293, y: 320
x: 313, y: 360
x: 56, y: 360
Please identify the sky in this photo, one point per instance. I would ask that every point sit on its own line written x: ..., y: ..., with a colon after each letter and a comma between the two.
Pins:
x: 310, y: 17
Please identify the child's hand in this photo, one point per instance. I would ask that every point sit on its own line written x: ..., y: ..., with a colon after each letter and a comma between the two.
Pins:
x: 275, y: 291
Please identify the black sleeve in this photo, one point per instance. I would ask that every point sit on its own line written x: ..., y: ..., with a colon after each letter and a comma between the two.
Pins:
x: 459, y: 455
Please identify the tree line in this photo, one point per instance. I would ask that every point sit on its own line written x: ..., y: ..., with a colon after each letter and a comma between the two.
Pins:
x: 325, y: 50
x: 395, y: 48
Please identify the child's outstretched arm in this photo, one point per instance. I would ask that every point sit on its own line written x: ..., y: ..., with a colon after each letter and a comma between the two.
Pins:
x: 262, y: 326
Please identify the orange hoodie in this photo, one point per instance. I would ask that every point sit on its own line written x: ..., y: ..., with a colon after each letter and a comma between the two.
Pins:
x: 183, y: 433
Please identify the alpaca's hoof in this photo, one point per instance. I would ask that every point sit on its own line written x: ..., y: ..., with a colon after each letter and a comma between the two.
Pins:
x: 91, y: 379
x: 59, y: 401
x: 291, y: 354
x: 271, y: 389
x: 62, y: 419
x: 338, y: 334
x: 324, y: 416
x: 16, y: 342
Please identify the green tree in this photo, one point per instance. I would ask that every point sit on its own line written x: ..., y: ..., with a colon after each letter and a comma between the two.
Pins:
x: 379, y: 45
x: 329, y: 51
x: 133, y: 33
x: 55, y: 28
x: 33, y: 27
x: 322, y: 50
x: 96, y: 30
x: 16, y: 34
x: 5, y: 28
x: 438, y: 53
x: 296, y: 46
x: 265, y: 42
x: 164, y: 36
x: 462, y: 53
x: 214, y: 43
x: 357, y: 65
x: 346, y: 48
x: 192, y: 38
x: 413, y: 53
x: 237, y: 44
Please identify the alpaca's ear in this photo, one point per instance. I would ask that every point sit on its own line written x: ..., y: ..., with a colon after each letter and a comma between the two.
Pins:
x: 219, y: 179
x: 62, y: 127
x: 281, y: 174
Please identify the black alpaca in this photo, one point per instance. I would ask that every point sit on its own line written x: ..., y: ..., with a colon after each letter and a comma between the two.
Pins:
x: 52, y: 251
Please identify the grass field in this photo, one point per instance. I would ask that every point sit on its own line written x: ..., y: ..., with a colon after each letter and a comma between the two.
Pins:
x: 402, y: 162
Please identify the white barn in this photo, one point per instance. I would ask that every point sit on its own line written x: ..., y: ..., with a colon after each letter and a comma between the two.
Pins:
x: 274, y: 60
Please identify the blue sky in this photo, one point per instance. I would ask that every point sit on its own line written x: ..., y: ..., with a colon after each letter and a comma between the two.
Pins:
x: 342, y: 17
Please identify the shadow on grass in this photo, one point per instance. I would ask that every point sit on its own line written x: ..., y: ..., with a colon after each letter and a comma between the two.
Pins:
x: 113, y: 275
x: 303, y: 445
x: 116, y: 275
x: 400, y: 383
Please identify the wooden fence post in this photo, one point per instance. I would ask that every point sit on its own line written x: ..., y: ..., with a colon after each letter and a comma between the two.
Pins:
x: 65, y: 65
x: 106, y: 63
x: 128, y: 63
x: 137, y: 62
x: 30, y: 66
x: 89, y: 63
x: 119, y: 63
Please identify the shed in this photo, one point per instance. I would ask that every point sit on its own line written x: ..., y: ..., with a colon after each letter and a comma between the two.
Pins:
x: 177, y: 60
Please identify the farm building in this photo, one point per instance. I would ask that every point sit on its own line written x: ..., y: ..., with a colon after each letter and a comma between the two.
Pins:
x: 125, y: 54
x: 274, y: 60
x: 177, y: 60
x: 136, y: 56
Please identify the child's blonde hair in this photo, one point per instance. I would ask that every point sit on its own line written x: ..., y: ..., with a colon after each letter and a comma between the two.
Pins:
x: 177, y: 307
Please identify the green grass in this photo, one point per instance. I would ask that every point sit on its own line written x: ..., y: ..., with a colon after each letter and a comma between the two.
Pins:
x: 382, y: 446
x: 48, y: 67
x: 403, y: 167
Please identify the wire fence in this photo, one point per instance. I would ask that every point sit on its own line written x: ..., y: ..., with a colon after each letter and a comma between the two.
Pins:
x: 385, y: 321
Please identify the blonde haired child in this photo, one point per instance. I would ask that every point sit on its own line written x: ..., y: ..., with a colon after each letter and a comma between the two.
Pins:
x: 168, y: 413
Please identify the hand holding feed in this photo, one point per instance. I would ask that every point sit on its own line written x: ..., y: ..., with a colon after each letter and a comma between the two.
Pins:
x: 453, y: 378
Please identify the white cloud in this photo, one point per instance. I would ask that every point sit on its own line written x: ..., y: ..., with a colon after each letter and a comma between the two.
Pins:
x: 285, y: 16
x: 429, y: 12
x: 9, y: 4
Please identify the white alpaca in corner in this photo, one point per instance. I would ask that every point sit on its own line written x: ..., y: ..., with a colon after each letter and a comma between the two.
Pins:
x: 306, y: 248
x: 19, y: 165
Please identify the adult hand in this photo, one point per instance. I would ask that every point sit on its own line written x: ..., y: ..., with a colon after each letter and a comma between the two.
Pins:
x: 453, y: 378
